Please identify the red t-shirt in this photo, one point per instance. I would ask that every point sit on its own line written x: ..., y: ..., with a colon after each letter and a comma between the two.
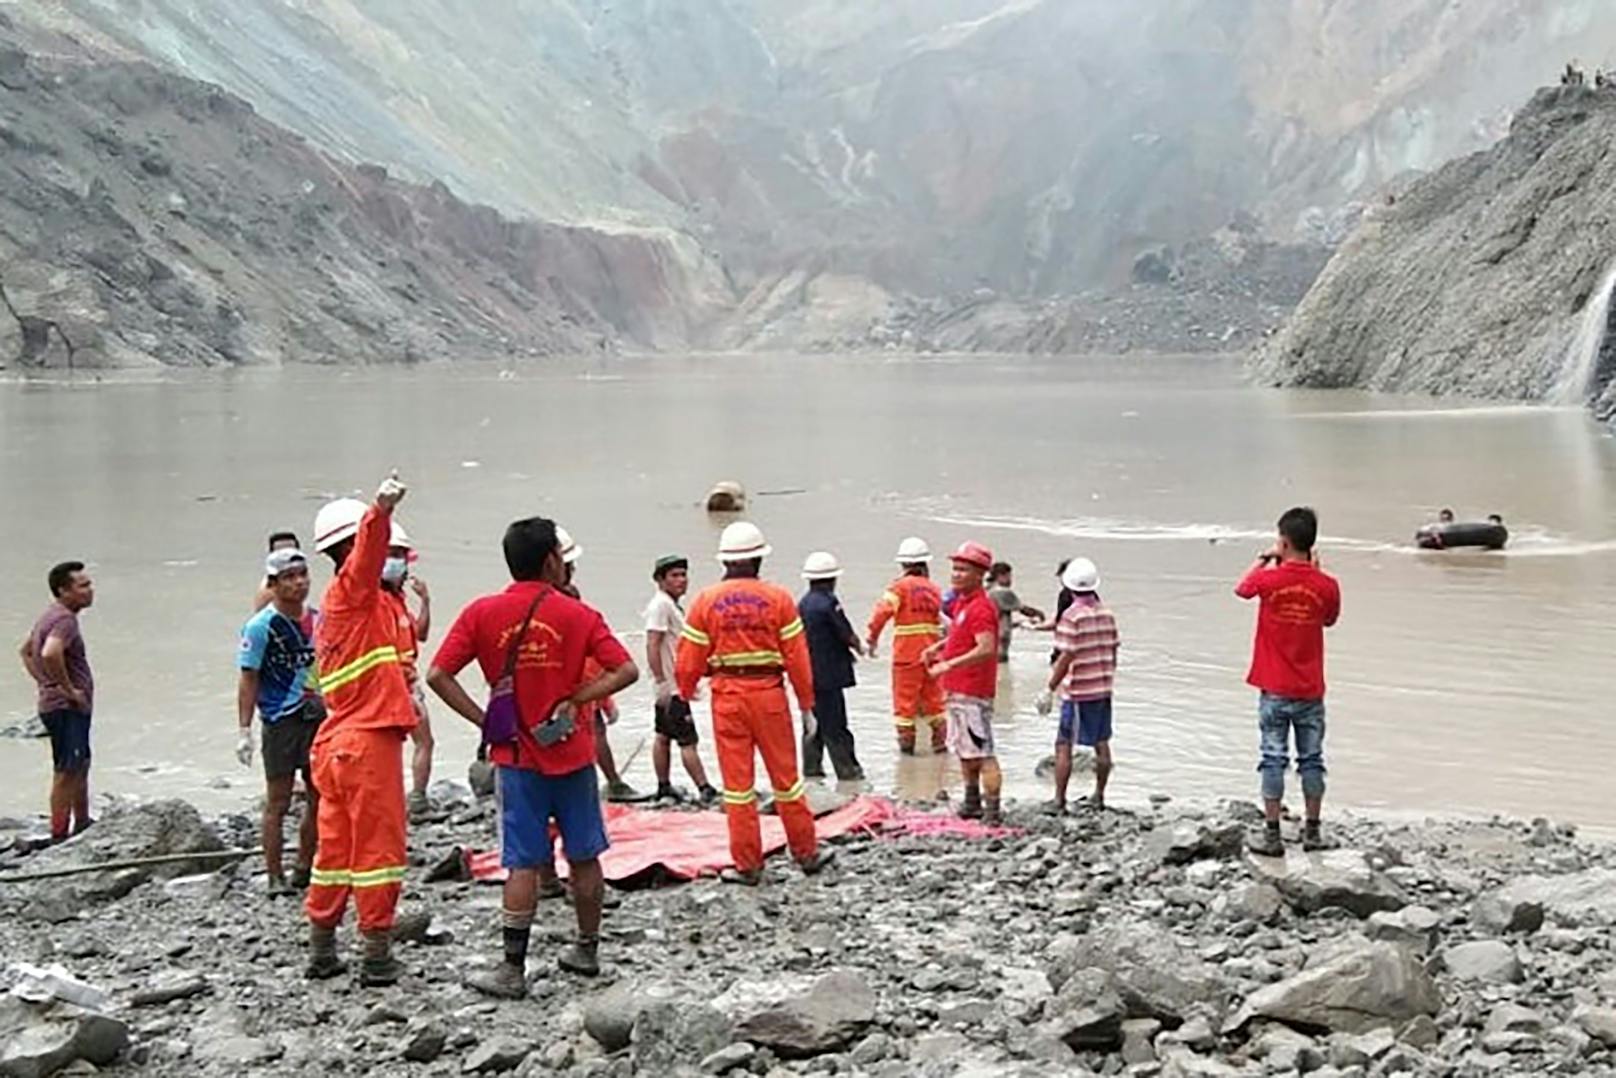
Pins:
x: 1299, y: 601
x: 973, y: 614
x: 549, y: 666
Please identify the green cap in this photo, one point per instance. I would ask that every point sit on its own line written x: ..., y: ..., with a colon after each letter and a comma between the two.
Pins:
x: 668, y: 563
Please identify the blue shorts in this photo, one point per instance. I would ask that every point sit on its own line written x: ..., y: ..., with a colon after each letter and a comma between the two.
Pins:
x: 528, y: 801
x: 70, y: 739
x: 1088, y: 720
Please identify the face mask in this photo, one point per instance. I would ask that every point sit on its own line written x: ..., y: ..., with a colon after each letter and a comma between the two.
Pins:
x: 393, y: 570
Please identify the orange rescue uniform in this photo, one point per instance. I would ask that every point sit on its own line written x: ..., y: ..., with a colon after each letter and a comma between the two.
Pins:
x: 357, y: 761
x: 915, y: 607
x: 747, y: 636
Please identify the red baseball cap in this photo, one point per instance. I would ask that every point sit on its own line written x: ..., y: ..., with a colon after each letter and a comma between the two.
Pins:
x: 973, y: 553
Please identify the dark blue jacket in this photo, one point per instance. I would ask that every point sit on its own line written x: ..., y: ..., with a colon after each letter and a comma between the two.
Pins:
x: 829, y: 639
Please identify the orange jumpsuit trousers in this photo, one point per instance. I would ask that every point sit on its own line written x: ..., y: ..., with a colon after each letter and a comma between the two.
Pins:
x: 917, y: 697
x: 758, y: 719
x: 360, y: 778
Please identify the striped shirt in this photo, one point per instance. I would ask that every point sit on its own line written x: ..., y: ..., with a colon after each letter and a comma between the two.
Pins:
x: 1088, y: 633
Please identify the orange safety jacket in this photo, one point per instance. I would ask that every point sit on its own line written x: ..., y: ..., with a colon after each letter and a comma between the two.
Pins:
x: 915, y: 607
x: 745, y: 633
x: 356, y: 642
x: 406, y: 629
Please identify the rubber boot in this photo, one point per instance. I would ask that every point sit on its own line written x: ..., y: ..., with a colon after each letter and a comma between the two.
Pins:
x: 583, y: 957
x: 380, y: 968
x: 990, y: 812
x: 906, y: 740
x: 323, y: 960
x: 812, y: 866
x: 939, y: 737
x: 971, y: 807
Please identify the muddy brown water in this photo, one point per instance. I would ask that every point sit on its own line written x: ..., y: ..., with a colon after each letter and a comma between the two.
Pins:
x: 1460, y: 683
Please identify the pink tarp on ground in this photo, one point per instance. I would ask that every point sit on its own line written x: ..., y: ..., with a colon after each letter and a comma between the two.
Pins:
x: 685, y: 845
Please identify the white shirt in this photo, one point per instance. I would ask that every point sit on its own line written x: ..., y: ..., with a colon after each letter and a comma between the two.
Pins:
x: 664, y: 616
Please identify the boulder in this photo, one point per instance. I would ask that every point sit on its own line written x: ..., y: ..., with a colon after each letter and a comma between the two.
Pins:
x: 1258, y: 901
x: 37, y: 1040
x: 154, y: 829
x: 1363, y: 986
x: 1490, y: 961
x: 426, y: 1043
x: 670, y: 1035
x: 1513, y: 1018
x: 1189, y: 841
x: 1414, y: 927
x: 496, y: 1056
x: 610, y: 1016
x: 1587, y: 897
x: 833, y: 1012
x: 1342, y: 879
x: 728, y: 1058
x: 1156, y: 977
x: 1598, y: 1022
x: 1087, y: 1013
x: 727, y: 496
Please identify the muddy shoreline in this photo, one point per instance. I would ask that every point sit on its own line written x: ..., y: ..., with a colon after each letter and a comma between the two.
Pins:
x: 1129, y: 942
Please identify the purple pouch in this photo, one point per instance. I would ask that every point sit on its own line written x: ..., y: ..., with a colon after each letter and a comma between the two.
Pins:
x: 502, y: 719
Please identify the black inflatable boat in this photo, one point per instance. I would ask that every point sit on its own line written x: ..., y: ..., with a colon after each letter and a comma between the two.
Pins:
x: 1483, y: 534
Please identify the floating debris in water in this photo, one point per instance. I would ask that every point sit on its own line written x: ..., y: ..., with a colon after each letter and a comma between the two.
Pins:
x: 471, y: 464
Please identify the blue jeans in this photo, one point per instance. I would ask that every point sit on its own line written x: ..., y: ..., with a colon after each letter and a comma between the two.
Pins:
x: 1277, y: 716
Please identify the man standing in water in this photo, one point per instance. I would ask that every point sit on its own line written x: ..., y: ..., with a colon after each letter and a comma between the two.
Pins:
x: 1001, y: 589
x: 963, y: 662
x: 1298, y: 602
x: 55, y: 657
x: 747, y: 635
x: 664, y: 621
x: 832, y: 643
x: 914, y: 605
x: 358, y: 755
x: 277, y: 665
x: 540, y: 637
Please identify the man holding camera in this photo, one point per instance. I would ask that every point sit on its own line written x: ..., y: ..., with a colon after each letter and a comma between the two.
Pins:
x: 539, y: 637
x: 1298, y: 602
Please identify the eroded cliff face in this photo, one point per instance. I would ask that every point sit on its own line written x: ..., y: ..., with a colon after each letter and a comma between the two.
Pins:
x: 147, y: 218
x: 1034, y: 147
x: 1480, y: 278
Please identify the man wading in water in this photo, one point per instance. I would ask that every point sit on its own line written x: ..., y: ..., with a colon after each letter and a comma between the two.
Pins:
x: 1298, y: 602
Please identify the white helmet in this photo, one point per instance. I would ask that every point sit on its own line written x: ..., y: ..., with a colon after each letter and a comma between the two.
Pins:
x: 570, y: 551
x: 1080, y: 575
x: 400, y: 537
x: 914, y: 551
x: 337, y: 521
x: 821, y: 565
x: 742, y: 541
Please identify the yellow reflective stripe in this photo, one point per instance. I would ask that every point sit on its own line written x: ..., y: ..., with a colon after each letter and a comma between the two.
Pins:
x: 330, y: 877
x: 793, y: 794
x: 918, y: 629
x: 739, y: 797
x: 695, y: 635
x: 379, y: 877
x: 343, y: 675
x: 902, y: 720
x: 794, y: 629
x: 891, y: 599
x: 747, y: 658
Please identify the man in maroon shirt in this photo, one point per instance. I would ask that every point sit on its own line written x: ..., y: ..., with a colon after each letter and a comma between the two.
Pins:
x: 964, y: 663
x: 1298, y: 602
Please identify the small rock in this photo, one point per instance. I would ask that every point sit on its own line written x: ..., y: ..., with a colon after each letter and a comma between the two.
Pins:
x: 1420, y: 1032
x: 1492, y: 961
x: 1342, y: 879
x: 728, y: 1058
x: 1356, y: 989
x: 1189, y: 842
x: 1412, y: 926
x: 938, y: 1048
x: 834, y: 1010
x: 496, y: 1056
x: 1598, y: 1022
x: 670, y: 1034
x: 1513, y: 1018
x: 169, y: 986
x: 1087, y: 1013
x: 1138, y: 1036
x: 1498, y: 912
x: 426, y: 1043
x: 872, y: 1049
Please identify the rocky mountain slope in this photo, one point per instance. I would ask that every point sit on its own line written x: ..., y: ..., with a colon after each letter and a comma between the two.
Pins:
x: 148, y: 218
x: 1034, y: 147
x: 1490, y: 277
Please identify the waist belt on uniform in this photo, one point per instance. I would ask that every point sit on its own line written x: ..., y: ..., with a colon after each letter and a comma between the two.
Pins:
x: 747, y: 671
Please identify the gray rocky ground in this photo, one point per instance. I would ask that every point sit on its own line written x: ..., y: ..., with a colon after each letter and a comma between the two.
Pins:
x: 1123, y: 943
